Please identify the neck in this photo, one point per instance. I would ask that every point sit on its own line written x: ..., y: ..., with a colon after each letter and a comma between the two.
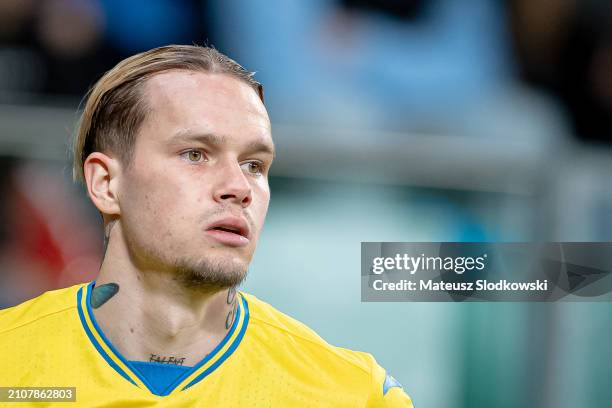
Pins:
x: 153, y: 316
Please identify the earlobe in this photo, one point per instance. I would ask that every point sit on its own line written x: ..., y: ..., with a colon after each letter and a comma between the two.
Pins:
x: 102, y: 177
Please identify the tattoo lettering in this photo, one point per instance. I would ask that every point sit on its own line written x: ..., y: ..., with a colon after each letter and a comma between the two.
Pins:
x: 107, y: 232
x: 166, y: 360
x: 231, y: 298
x: 101, y: 294
x: 231, y: 295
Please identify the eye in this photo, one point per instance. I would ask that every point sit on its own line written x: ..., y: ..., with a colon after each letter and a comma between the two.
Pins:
x: 254, y: 168
x: 193, y: 156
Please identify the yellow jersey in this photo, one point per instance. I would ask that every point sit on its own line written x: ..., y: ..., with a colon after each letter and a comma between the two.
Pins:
x: 267, y: 359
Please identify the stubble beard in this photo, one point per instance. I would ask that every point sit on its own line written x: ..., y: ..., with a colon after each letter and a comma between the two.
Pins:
x: 209, y: 274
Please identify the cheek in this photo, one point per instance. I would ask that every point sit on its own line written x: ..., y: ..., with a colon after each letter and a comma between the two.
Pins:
x: 260, y: 204
x: 151, y: 200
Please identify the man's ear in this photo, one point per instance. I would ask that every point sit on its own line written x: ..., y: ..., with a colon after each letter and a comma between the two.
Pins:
x: 102, y: 180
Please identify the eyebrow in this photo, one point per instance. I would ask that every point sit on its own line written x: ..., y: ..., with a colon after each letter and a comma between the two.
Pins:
x: 216, y: 140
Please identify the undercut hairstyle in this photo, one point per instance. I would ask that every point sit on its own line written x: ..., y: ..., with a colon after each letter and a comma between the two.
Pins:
x: 116, y: 106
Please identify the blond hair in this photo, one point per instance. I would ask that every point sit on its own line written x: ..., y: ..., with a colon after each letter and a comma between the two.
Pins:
x: 115, y: 106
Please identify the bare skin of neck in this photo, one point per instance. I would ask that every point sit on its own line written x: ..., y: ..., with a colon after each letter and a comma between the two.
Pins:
x: 153, y: 317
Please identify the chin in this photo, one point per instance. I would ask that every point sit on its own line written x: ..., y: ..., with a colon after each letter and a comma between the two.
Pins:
x: 213, y: 271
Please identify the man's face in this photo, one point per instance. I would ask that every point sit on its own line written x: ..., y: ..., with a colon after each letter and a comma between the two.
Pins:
x: 195, y: 197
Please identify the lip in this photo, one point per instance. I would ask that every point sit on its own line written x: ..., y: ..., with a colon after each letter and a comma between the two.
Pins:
x: 237, y: 236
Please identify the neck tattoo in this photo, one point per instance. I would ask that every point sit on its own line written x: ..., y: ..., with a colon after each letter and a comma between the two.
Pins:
x: 107, y: 232
x: 167, y: 360
x: 101, y: 294
x: 231, y: 299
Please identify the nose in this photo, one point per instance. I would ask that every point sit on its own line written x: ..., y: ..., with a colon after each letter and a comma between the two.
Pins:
x: 233, y: 186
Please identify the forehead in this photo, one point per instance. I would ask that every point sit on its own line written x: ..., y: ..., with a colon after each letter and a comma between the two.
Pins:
x: 204, y: 102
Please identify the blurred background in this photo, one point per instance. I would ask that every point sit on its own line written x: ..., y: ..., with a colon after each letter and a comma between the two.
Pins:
x: 395, y: 120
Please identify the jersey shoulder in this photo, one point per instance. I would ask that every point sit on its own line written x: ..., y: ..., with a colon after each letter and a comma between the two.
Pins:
x: 289, y: 329
x: 48, y: 304
x: 382, y: 389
